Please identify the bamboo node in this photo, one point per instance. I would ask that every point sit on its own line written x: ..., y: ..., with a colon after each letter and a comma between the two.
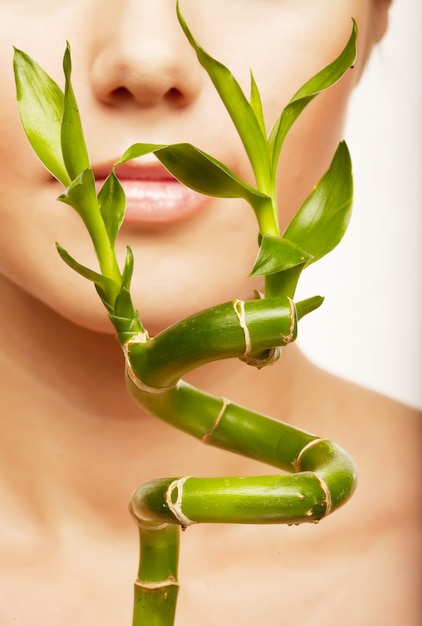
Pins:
x: 297, y: 463
x: 291, y: 334
x: 205, y: 439
x: 271, y: 356
x: 297, y: 467
x: 327, y: 493
x: 176, y: 507
x: 140, y: 337
x: 161, y: 584
x: 239, y: 309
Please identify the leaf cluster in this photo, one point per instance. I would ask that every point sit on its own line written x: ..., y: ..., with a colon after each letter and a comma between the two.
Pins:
x: 51, y: 121
x: 320, y: 222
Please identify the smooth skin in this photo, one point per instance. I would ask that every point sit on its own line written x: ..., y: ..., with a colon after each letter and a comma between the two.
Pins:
x: 73, y: 445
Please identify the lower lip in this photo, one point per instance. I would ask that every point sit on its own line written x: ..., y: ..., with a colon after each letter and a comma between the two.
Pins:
x: 159, y: 202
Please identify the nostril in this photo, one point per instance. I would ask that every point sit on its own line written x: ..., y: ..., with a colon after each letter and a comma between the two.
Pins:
x: 120, y: 94
x: 174, y: 94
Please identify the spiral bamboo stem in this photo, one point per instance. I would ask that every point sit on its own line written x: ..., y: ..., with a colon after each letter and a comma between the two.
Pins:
x: 322, y: 476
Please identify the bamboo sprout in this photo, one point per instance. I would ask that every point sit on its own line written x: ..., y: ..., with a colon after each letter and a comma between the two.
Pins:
x: 321, y: 476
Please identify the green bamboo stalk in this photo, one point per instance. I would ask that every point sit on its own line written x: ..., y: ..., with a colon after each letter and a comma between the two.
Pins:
x: 156, y: 587
x: 235, y: 329
x: 325, y: 472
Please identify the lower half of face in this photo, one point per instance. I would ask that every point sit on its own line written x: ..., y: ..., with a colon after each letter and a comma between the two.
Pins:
x: 180, y: 267
x: 204, y: 256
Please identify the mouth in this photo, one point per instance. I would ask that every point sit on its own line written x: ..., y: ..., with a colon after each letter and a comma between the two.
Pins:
x: 154, y: 196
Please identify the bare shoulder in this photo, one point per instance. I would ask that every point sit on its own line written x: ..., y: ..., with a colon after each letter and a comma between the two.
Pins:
x: 347, y: 407
x: 382, y: 435
x: 382, y: 520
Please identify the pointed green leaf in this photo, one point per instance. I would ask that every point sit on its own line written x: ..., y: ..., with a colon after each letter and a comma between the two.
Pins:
x: 307, y: 306
x: 112, y: 203
x: 75, y: 153
x: 81, y: 196
x: 256, y: 104
x: 105, y: 284
x: 126, y: 327
x: 104, y: 299
x: 123, y: 307
x: 238, y: 107
x: 124, y: 317
x: 318, y: 83
x: 277, y: 254
x: 128, y: 269
x: 138, y: 150
x: 201, y: 172
x: 321, y: 222
x: 40, y: 103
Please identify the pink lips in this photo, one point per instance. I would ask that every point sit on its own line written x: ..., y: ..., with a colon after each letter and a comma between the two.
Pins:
x: 154, y: 196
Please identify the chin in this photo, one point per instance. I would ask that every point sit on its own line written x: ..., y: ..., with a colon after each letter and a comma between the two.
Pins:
x: 75, y: 303
x: 82, y: 308
x: 93, y: 319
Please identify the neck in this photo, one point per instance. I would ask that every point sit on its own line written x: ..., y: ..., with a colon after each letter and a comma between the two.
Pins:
x: 74, y: 431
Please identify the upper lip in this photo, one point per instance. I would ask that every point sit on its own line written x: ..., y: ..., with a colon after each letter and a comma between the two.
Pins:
x: 135, y: 170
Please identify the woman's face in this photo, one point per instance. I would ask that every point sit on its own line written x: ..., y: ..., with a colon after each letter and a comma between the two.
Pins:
x: 137, y: 79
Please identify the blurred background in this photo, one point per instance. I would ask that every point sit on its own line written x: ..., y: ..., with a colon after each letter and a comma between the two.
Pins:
x: 369, y: 328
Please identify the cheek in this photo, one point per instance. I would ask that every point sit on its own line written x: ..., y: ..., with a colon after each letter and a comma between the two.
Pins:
x: 311, y: 143
x: 31, y: 221
x: 285, y: 44
x: 28, y: 230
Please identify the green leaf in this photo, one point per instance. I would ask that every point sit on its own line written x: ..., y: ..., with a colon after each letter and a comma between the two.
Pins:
x: 137, y: 150
x: 81, y: 196
x: 307, y: 306
x: 201, y: 172
x: 256, y: 104
x: 124, y: 317
x: 104, y: 283
x: 75, y: 153
x: 105, y: 299
x: 318, y: 83
x: 40, y: 103
x: 238, y: 107
x: 321, y: 222
x: 128, y: 269
x: 277, y: 254
x: 123, y: 307
x: 112, y: 203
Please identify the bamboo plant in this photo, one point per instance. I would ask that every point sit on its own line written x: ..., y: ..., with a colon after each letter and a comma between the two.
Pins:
x: 319, y: 476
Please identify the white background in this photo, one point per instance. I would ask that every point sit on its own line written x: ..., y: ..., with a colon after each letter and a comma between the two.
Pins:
x: 369, y: 327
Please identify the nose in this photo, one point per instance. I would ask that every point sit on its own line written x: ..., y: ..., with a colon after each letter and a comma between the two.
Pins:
x: 141, y: 56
